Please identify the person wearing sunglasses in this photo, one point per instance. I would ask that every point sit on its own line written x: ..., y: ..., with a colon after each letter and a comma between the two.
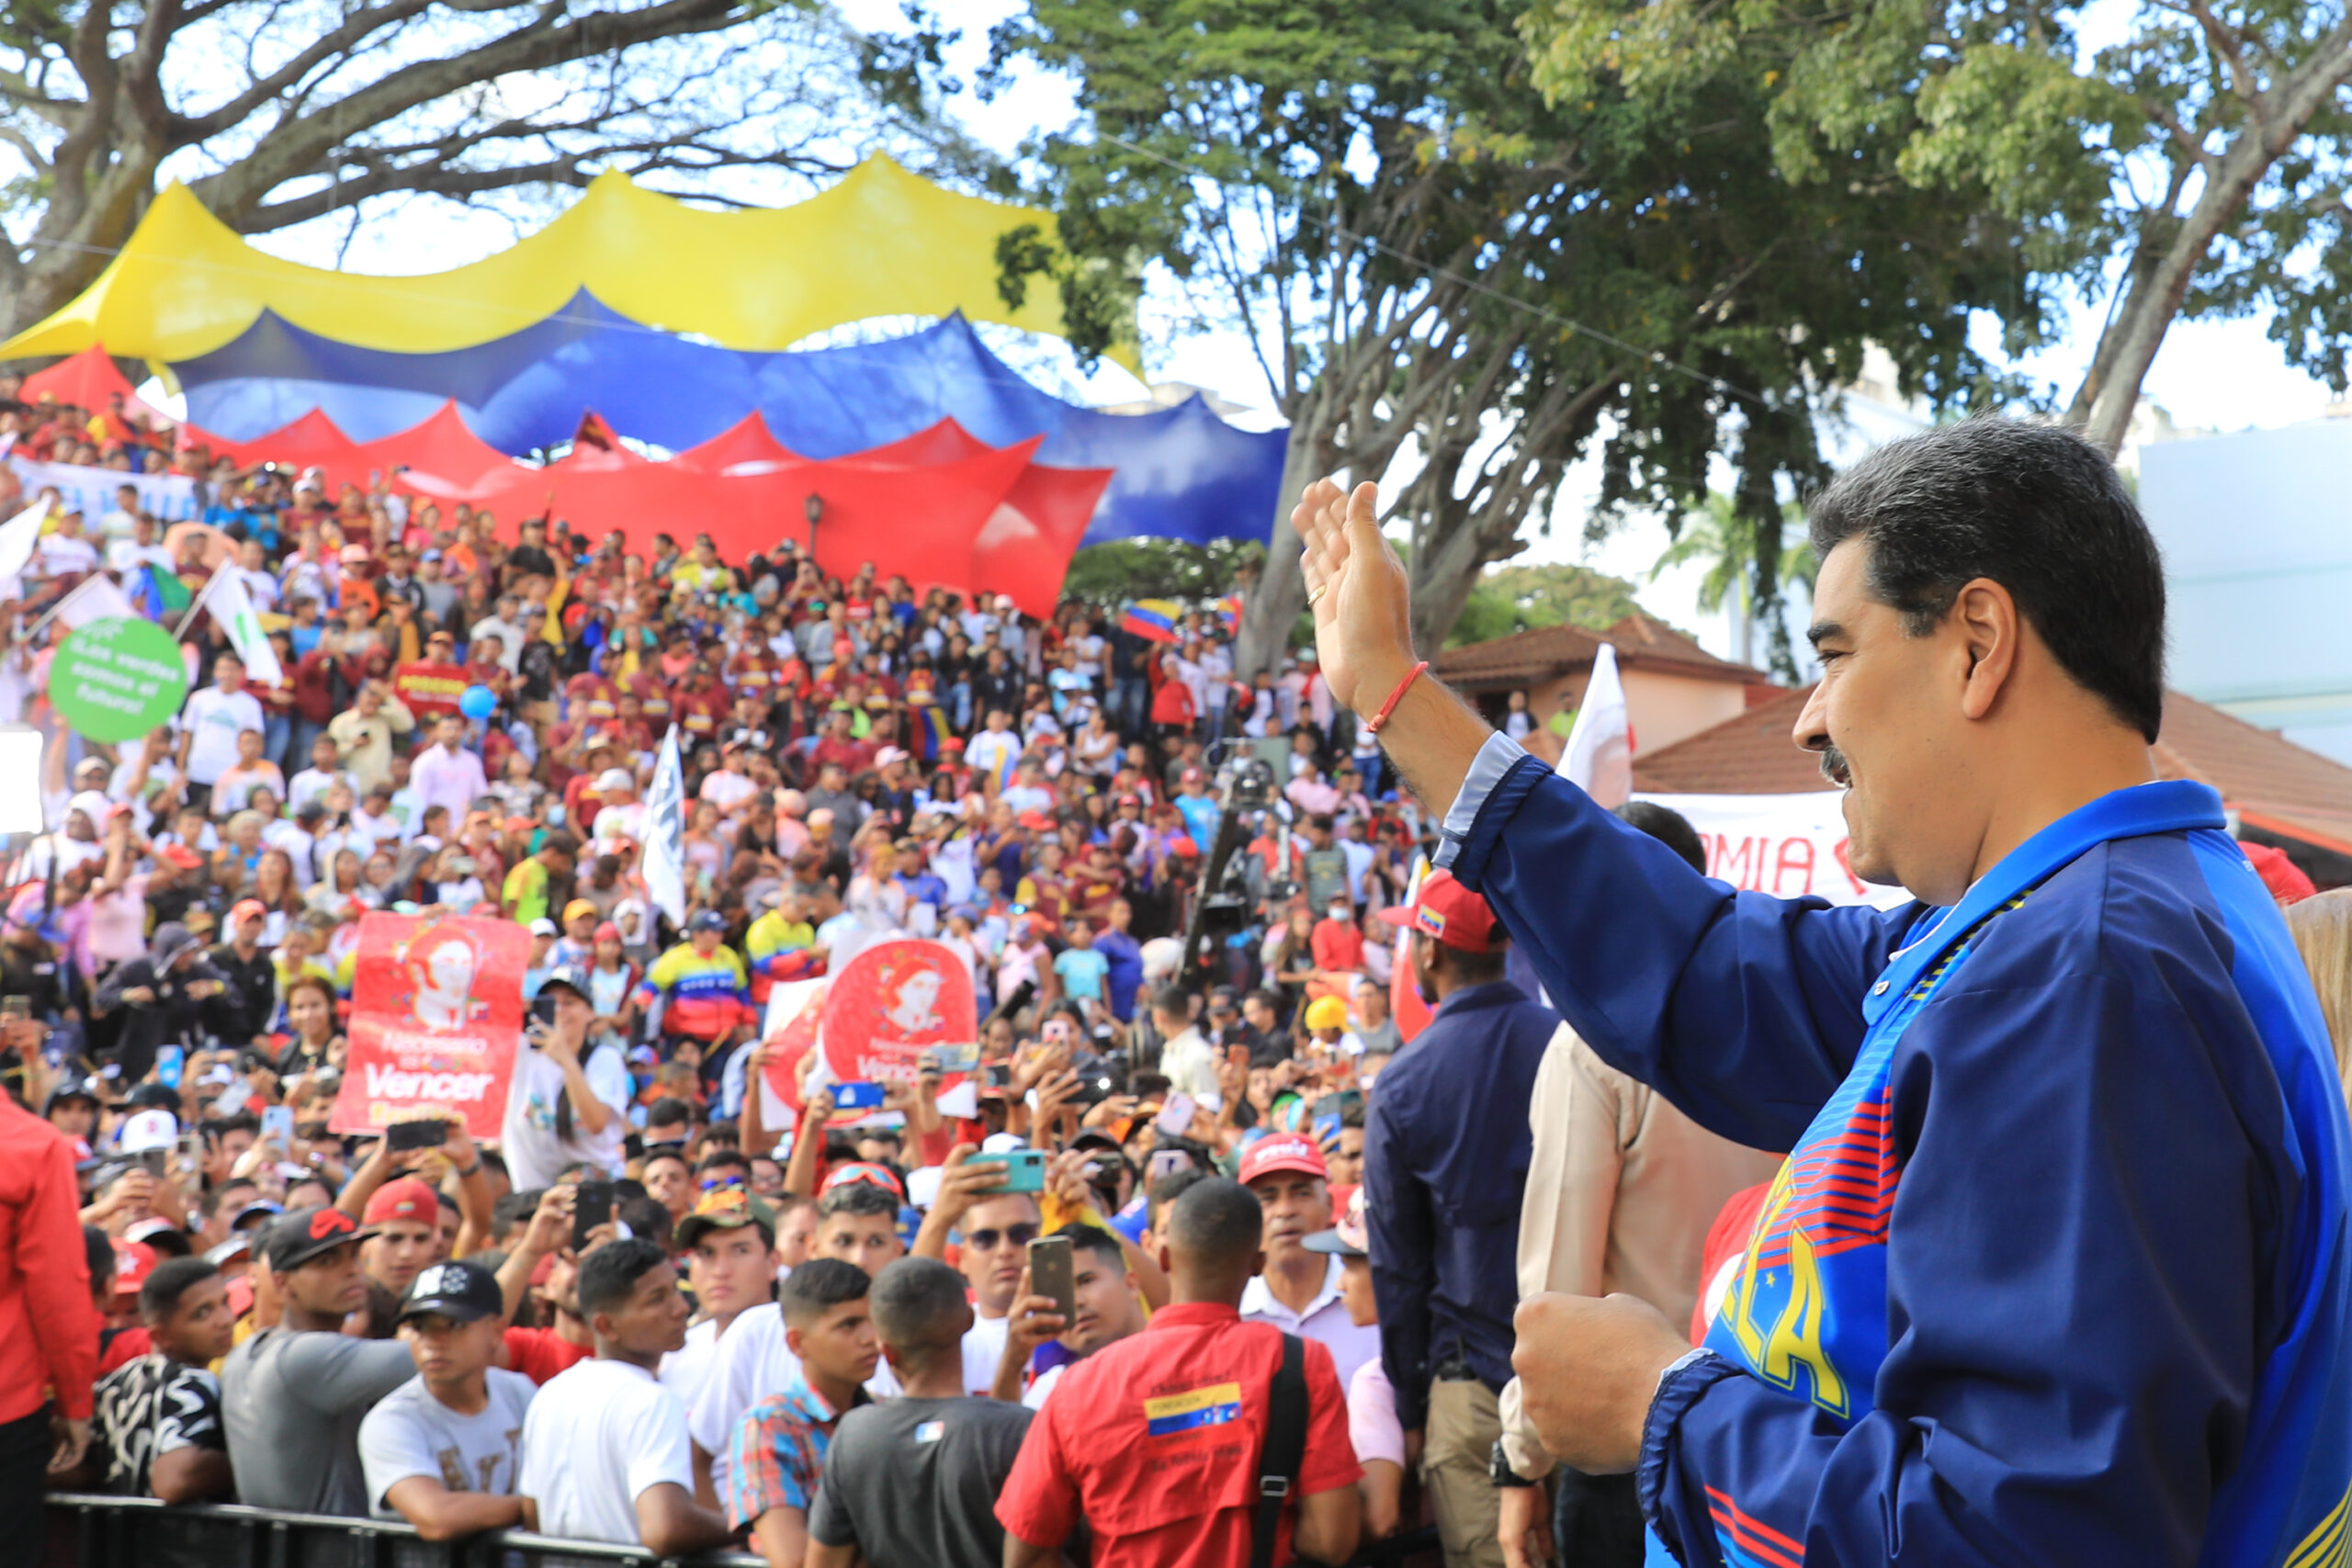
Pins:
x: 993, y: 1230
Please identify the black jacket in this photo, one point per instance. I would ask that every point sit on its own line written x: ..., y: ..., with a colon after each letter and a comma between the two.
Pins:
x: 174, y: 1016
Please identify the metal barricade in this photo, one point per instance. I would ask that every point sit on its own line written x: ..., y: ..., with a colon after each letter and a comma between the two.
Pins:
x: 86, y: 1530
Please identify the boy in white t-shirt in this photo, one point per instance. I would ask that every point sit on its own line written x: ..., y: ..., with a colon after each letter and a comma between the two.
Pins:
x: 606, y: 1455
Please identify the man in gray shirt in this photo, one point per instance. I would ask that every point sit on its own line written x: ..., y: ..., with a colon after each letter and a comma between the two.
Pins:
x: 915, y: 1480
x: 292, y: 1397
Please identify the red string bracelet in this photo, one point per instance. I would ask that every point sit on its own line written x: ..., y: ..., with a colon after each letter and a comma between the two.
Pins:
x: 1372, y: 727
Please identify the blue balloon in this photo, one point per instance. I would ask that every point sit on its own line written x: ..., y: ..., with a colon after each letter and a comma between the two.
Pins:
x: 478, y: 702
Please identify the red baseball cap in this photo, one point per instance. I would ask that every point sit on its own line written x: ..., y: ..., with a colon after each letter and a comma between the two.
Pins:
x: 248, y: 909
x: 1282, y: 1151
x: 407, y: 1199
x: 2283, y: 877
x: 1448, y: 911
x: 133, y: 1261
x: 867, y: 1171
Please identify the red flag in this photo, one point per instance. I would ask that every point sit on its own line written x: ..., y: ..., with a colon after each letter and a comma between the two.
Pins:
x: 1405, y: 1003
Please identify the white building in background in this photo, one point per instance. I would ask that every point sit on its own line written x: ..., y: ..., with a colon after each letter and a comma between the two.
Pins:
x: 2256, y: 530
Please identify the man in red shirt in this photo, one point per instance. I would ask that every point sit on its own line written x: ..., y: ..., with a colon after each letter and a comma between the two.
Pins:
x: 1158, y: 1451
x: 49, y: 1326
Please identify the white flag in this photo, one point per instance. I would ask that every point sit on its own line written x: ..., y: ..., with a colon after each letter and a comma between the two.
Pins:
x: 665, y: 832
x: 97, y: 599
x: 233, y: 607
x: 1599, y: 757
x: 18, y: 538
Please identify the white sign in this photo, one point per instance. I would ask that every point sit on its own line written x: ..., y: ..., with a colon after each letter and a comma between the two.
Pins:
x: 168, y: 498
x: 1787, y: 845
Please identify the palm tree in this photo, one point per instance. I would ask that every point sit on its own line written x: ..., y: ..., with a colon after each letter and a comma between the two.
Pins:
x: 1711, y: 534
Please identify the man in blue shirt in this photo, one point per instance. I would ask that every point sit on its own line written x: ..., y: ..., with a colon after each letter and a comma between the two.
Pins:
x: 2057, y: 1269
x: 1446, y: 1147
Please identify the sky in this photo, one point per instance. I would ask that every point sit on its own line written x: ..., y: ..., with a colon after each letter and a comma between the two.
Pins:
x: 2224, y: 376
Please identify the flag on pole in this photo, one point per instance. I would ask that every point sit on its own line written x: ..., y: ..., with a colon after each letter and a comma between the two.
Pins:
x: 1599, y: 757
x: 1405, y: 1004
x: 665, y: 833
x: 233, y: 607
x: 97, y: 599
x: 18, y: 538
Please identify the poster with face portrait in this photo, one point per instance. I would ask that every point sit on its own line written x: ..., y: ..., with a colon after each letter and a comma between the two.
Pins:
x: 891, y: 1003
x: 436, y: 1015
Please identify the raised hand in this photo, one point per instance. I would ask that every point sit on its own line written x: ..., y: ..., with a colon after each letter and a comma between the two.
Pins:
x: 1357, y: 590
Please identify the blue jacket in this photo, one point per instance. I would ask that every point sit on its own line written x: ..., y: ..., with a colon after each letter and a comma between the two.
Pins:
x: 1445, y: 1153
x: 2057, y: 1272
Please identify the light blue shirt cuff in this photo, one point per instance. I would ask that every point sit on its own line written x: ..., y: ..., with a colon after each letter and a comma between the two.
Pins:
x: 1486, y: 770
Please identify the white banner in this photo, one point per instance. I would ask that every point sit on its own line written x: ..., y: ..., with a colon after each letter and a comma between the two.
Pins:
x: 1787, y: 845
x: 168, y: 498
x: 664, y: 863
x: 1599, y: 756
x: 233, y: 607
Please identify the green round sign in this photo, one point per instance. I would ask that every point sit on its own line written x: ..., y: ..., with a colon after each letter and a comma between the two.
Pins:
x: 115, y: 680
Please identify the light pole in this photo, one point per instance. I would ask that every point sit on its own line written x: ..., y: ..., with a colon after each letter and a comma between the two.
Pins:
x: 814, y: 509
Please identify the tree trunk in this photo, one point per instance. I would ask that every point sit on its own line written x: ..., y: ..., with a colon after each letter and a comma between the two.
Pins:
x: 1270, y: 613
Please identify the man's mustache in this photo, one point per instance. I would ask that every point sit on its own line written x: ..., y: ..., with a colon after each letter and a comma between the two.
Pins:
x: 1834, y: 768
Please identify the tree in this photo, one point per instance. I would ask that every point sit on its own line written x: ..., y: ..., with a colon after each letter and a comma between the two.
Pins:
x: 1433, y: 262
x: 2196, y: 168
x: 1110, y: 574
x: 279, y: 113
x: 1716, y: 537
x: 1510, y: 599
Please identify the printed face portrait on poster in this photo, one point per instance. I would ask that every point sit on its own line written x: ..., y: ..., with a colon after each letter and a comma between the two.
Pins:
x: 891, y: 1003
x: 436, y: 1015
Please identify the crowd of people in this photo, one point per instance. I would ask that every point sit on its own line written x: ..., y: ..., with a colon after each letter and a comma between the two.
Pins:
x: 1200, y: 1259
x: 655, y: 1307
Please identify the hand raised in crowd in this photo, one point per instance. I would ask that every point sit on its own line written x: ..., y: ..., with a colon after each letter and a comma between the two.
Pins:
x: 1033, y: 1320
x: 551, y: 1226
x: 964, y: 1180
x: 1107, y: 1111
x: 1358, y: 592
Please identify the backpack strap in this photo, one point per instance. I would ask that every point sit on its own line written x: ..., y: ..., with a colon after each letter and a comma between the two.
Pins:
x: 1284, y: 1450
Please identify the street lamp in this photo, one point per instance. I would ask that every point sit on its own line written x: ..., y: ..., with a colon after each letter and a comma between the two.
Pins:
x: 814, y: 509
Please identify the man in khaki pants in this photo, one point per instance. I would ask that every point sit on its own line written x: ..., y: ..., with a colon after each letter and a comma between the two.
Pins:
x: 1446, y: 1149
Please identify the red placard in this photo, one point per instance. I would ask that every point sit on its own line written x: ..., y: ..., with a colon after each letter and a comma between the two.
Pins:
x: 893, y: 1002
x: 436, y: 1015
x: 429, y: 688
x: 795, y: 1008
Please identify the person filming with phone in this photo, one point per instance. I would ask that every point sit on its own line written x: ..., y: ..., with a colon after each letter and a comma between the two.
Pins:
x: 568, y: 1104
x: 994, y: 1227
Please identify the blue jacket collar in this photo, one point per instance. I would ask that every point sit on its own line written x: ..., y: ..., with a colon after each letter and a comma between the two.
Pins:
x: 2173, y: 805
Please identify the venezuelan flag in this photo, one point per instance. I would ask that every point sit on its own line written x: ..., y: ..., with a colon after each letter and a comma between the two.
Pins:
x: 1229, y: 610
x: 1154, y: 620
x: 1217, y: 1405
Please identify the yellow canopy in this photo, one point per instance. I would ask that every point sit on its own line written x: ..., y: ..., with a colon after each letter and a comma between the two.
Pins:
x: 881, y: 242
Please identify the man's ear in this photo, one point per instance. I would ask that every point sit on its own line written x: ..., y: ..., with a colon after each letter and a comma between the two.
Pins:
x: 1991, y: 630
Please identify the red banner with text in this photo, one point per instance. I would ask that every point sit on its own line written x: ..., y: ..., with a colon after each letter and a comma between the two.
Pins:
x: 436, y: 1015
x: 429, y: 690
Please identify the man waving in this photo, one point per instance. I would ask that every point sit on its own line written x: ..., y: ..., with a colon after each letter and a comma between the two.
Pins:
x: 2057, y: 1269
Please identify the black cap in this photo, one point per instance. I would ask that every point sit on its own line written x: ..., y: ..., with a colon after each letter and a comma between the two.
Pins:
x: 294, y: 1239
x: 572, y: 977
x: 79, y: 1089
x: 153, y: 1097
x: 466, y: 1292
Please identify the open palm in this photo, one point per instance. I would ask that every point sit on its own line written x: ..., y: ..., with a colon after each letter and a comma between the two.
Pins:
x: 1358, y: 592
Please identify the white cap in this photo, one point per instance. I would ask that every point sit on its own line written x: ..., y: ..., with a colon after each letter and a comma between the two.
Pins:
x: 616, y: 778
x: 1003, y: 1144
x: 887, y: 755
x: 155, y: 1129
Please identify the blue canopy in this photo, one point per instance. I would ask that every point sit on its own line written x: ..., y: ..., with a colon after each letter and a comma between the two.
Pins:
x: 1180, y: 473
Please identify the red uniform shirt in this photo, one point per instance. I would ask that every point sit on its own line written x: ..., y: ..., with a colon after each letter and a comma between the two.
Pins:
x: 1154, y: 1441
x: 49, y: 1329
x: 653, y: 696
x: 701, y: 710
x: 593, y: 698
x: 540, y: 1353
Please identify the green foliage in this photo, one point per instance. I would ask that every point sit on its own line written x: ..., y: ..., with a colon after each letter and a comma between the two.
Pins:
x: 2196, y: 167
x: 1520, y: 598
x: 1715, y: 535
x: 1110, y: 574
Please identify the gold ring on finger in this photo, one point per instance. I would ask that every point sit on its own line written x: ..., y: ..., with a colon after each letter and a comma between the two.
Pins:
x: 1315, y: 592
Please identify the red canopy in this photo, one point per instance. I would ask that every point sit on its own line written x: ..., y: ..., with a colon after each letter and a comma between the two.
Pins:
x: 940, y: 507
x: 88, y: 380
x: 442, y: 446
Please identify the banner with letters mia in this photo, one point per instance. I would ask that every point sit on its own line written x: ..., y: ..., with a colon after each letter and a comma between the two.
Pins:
x: 436, y: 1015
x: 1787, y: 845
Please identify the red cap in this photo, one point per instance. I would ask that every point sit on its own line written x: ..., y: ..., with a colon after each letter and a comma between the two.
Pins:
x: 1037, y: 821
x: 133, y: 1261
x: 1448, y: 911
x: 248, y: 909
x: 407, y: 1199
x: 181, y: 856
x: 867, y: 1171
x: 1282, y: 1151
x: 2285, y: 879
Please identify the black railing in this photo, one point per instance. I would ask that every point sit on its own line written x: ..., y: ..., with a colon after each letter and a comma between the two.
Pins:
x: 86, y: 1530
x: 91, y: 1531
